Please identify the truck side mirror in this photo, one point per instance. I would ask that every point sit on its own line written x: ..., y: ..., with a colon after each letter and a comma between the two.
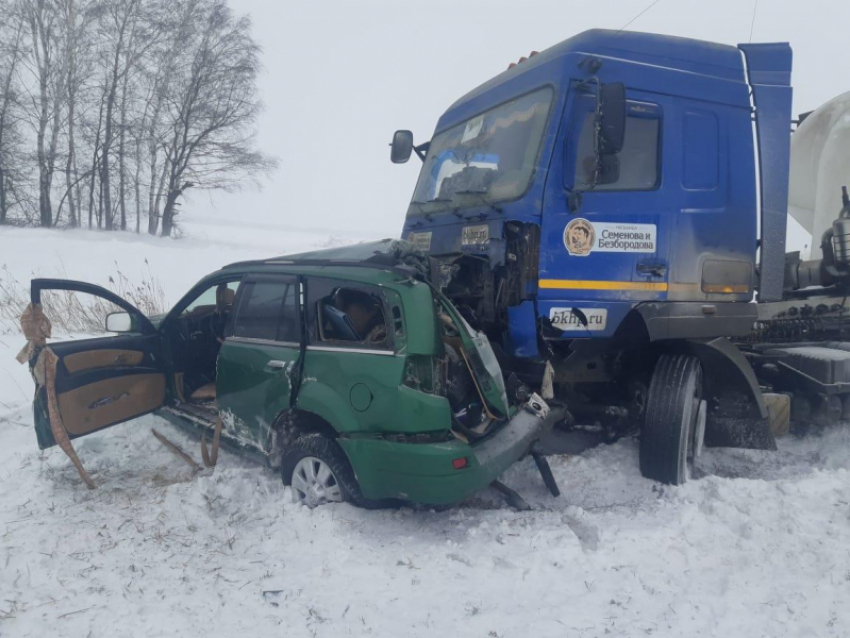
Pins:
x: 401, y: 147
x: 609, y: 169
x: 612, y: 112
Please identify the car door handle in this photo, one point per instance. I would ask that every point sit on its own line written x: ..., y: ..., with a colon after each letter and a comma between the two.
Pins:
x: 276, y: 364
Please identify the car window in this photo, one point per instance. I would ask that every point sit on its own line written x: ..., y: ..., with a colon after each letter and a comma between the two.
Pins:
x: 348, y: 315
x: 206, y: 301
x: 269, y: 310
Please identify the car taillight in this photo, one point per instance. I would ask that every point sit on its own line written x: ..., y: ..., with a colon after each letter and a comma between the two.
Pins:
x: 460, y: 463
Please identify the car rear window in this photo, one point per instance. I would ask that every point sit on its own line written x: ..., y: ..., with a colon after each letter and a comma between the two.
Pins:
x: 268, y: 310
x: 347, y: 315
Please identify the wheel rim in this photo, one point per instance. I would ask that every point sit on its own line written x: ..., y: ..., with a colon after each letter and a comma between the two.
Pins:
x: 313, y: 483
x: 699, y: 430
x: 694, y: 420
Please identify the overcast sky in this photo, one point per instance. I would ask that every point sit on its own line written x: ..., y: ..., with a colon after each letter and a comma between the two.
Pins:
x: 341, y: 76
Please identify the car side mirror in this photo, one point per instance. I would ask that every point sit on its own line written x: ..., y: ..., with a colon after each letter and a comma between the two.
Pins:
x: 612, y: 113
x: 119, y: 322
x: 401, y: 147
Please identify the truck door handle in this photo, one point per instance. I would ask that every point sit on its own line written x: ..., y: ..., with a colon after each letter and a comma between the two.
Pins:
x: 276, y: 364
x: 651, y: 269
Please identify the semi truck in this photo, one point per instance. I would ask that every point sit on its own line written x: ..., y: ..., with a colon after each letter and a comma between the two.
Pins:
x: 612, y: 213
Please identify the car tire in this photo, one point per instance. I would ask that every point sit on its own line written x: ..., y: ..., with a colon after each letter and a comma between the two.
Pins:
x: 674, y: 422
x: 318, y: 471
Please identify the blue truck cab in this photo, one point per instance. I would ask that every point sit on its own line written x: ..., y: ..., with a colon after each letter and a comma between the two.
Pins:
x: 595, y: 257
x: 511, y: 165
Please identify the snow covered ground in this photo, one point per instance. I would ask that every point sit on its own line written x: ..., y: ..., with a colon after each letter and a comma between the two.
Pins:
x: 758, y: 547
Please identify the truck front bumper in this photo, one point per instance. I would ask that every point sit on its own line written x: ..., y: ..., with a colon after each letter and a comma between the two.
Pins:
x: 425, y: 472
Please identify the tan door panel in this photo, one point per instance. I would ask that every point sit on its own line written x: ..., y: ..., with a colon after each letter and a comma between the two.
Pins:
x: 91, y: 359
x: 103, y: 403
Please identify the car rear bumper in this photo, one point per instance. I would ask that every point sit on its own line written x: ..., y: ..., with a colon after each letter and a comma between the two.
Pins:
x: 424, y: 472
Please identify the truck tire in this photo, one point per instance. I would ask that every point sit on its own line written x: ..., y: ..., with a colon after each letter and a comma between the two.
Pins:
x: 674, y: 408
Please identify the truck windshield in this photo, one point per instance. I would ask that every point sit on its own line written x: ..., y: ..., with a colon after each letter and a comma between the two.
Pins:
x: 491, y: 156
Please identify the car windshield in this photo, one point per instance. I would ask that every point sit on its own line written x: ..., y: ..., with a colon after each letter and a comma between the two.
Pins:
x: 488, y: 157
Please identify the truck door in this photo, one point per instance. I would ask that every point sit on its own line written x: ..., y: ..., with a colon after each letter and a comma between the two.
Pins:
x: 259, y: 358
x: 610, y: 250
x: 104, y: 381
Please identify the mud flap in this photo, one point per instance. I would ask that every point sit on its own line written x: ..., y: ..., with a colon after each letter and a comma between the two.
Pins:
x: 37, y: 329
x: 737, y: 414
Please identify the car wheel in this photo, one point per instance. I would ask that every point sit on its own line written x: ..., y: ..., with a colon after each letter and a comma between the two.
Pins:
x: 319, y: 473
x: 674, y: 423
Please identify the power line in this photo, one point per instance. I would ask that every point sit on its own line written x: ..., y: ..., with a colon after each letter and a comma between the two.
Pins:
x: 639, y: 15
x: 753, y: 23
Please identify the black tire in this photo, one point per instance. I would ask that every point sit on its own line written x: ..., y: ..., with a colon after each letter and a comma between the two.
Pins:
x: 672, y: 411
x: 328, y: 451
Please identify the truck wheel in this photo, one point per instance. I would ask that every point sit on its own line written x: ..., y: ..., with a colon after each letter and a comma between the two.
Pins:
x: 319, y: 472
x: 674, y: 425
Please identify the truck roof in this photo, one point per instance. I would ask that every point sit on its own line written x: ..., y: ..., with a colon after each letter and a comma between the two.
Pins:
x: 684, y: 54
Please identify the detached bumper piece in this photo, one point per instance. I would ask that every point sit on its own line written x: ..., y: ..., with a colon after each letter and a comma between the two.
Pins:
x: 432, y: 473
x: 523, y: 430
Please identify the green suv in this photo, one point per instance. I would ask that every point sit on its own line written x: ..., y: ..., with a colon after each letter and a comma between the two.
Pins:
x: 345, y: 368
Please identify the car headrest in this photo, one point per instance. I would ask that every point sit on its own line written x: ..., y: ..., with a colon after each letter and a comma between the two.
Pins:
x: 224, y: 296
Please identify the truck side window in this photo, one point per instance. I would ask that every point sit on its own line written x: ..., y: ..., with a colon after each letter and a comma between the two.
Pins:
x: 639, y: 159
x: 347, y: 315
x: 269, y: 310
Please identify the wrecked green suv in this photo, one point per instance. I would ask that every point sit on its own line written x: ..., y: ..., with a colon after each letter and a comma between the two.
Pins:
x: 344, y: 368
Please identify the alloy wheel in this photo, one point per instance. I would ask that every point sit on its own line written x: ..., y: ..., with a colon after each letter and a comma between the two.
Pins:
x: 313, y: 483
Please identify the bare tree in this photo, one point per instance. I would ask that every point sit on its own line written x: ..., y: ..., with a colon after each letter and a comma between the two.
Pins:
x: 212, y: 111
x: 11, y: 40
x: 47, y: 59
x: 130, y: 29
x: 160, y: 74
x: 131, y: 101
x: 77, y: 17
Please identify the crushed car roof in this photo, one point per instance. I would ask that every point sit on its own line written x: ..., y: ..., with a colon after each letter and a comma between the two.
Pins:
x: 395, y: 255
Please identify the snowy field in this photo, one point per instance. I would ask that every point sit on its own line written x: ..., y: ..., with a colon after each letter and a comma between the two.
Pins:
x: 760, y: 546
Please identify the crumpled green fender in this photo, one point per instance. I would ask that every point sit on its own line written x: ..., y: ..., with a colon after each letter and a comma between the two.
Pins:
x: 327, y: 403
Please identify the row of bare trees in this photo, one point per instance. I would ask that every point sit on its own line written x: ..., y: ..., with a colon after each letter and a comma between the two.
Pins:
x: 111, y: 109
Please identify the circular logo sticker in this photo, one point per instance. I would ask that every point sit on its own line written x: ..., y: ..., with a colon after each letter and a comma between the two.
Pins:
x: 579, y: 237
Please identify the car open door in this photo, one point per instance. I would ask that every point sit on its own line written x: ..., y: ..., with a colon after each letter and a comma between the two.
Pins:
x: 97, y: 382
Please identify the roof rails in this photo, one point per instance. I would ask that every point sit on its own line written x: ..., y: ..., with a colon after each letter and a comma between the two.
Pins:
x: 402, y: 270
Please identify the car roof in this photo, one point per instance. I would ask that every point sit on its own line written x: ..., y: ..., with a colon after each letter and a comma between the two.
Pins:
x: 376, y: 262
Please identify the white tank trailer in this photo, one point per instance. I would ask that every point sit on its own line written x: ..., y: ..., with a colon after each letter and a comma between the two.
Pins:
x: 800, y: 348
